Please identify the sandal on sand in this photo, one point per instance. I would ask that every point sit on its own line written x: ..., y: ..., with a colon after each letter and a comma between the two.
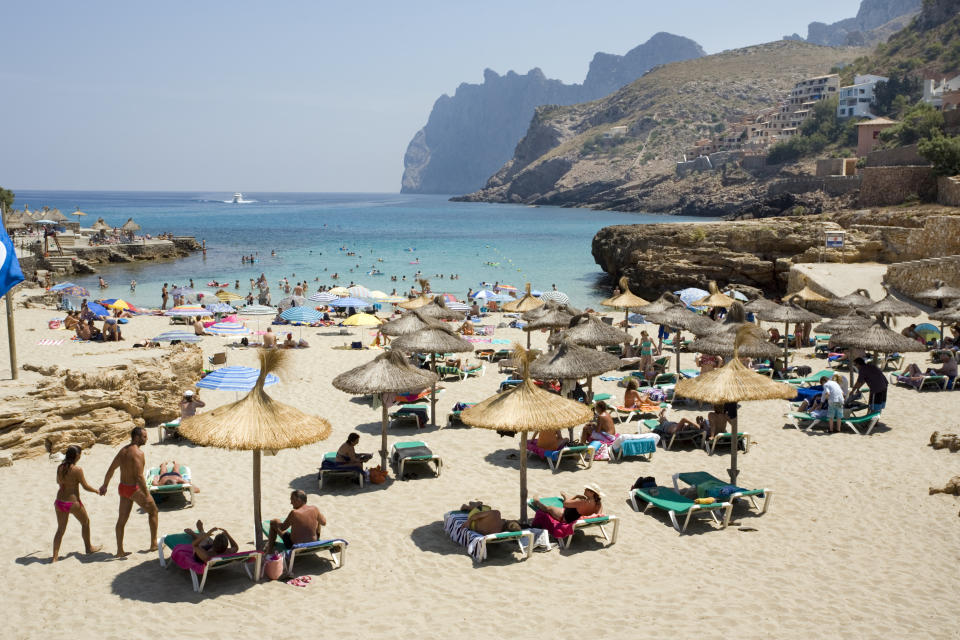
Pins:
x: 298, y: 582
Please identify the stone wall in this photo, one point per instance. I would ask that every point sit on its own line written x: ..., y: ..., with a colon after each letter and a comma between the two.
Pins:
x: 951, y: 122
x: 890, y: 185
x: 830, y: 167
x: 755, y: 163
x: 833, y: 185
x: 910, y: 278
x: 948, y: 190
x: 907, y: 156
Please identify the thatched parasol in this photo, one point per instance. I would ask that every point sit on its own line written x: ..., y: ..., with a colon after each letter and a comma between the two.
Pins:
x: 722, y: 345
x: 100, y: 225
x: 877, y: 337
x: 890, y: 306
x: 56, y: 216
x: 526, y: 303
x: 806, y: 294
x: 940, y: 292
x: 526, y: 408
x: 715, y: 299
x: 625, y: 300
x: 572, y: 361
x: 857, y: 299
x: 77, y: 213
x: 437, y: 309
x: 590, y: 331
x: 255, y: 423
x: 407, y: 323
x: 130, y: 226
x: 787, y: 313
x: 437, y: 338
x: 388, y: 373
x: 661, y: 304
x: 556, y: 317
x: 423, y: 299
x: 853, y: 320
x: 948, y: 315
x: 733, y: 382
x: 227, y: 296
x: 760, y: 304
x: 679, y: 317
x: 736, y: 316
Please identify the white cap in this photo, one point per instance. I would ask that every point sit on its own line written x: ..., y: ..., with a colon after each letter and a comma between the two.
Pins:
x: 188, y: 393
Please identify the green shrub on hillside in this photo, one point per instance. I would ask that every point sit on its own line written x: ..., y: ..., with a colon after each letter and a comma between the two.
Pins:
x: 818, y: 131
x: 920, y: 121
x: 943, y: 152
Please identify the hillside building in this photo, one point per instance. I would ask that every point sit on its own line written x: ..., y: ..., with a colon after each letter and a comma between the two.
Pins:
x: 943, y: 95
x: 868, y: 133
x: 855, y: 99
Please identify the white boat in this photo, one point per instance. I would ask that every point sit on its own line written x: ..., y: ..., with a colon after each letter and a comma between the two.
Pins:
x: 237, y: 198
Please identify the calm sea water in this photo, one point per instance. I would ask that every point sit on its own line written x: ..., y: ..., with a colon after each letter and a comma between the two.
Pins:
x: 312, y: 233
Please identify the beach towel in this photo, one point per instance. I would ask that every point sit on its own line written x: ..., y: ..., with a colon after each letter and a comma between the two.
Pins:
x: 455, y: 526
x: 182, y: 556
x: 636, y: 444
x: 411, y: 452
x: 50, y: 342
x: 717, y: 489
x: 554, y: 527
x: 331, y: 464
x: 611, y: 378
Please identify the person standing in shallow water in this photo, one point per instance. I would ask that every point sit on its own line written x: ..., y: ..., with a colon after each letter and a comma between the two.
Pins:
x: 165, y: 295
x: 70, y: 479
x: 132, y: 488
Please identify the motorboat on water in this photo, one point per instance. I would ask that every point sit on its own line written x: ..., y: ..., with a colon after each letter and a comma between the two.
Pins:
x: 237, y: 198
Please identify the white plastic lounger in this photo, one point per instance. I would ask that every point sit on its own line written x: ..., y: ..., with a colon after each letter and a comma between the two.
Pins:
x: 244, y: 558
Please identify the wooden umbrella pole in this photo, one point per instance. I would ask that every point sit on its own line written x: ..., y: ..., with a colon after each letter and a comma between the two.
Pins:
x: 676, y: 347
x: 589, y: 389
x: 523, y: 477
x: 734, y: 442
x: 786, y: 345
x: 383, y: 432
x: 257, y: 519
x: 433, y: 391
x: 528, y: 339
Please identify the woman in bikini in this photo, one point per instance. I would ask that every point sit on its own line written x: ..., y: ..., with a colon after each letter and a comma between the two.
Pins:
x: 70, y: 478
x: 583, y: 505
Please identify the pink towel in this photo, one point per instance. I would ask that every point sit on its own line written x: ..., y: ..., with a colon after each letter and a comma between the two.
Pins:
x: 554, y: 527
x: 182, y: 555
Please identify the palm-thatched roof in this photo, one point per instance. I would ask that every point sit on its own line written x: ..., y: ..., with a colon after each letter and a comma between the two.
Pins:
x: 890, y: 306
x: 857, y: 299
x: 423, y: 299
x: 734, y: 382
x: 852, y: 320
x: 723, y: 345
x: 876, y: 337
x: 715, y: 299
x: 434, y: 339
x: 389, y: 372
x: 661, y: 304
x: 950, y: 314
x: 735, y: 317
x: 437, y: 308
x: 553, y: 318
x: 56, y: 215
x: 807, y: 295
x: 407, y: 323
x: 789, y: 312
x: 526, y: 407
x: 678, y: 316
x: 527, y: 303
x: 130, y: 226
x: 940, y: 291
x: 572, y: 361
x: 100, y: 225
x: 626, y: 299
x: 256, y: 421
x: 590, y: 331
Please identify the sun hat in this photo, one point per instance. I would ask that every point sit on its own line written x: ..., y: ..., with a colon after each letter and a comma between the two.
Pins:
x: 592, y: 486
x: 188, y: 393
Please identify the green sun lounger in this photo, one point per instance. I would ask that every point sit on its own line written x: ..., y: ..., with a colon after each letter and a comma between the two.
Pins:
x: 676, y: 504
x: 937, y: 381
x: 337, y: 548
x: 861, y: 425
x: 400, y: 461
x: 599, y: 521
x: 185, y: 488
x: 813, y: 378
x: 685, y: 435
x: 323, y: 474
x: 698, y: 478
x: 710, y: 444
x: 245, y: 558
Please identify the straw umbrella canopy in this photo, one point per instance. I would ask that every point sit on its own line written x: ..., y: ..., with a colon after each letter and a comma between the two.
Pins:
x: 100, y: 225
x: 423, y: 299
x: 890, y: 306
x: 407, y: 323
x: 722, y: 345
x: 433, y: 339
x: 227, y: 296
x: 679, y: 317
x: 256, y: 423
x: 553, y: 318
x: 715, y: 299
x: 388, y: 373
x: 130, y: 226
x: 807, y: 294
x: 571, y: 361
x: 787, y: 313
x: 661, y: 304
x: 523, y: 409
x: 77, y: 213
x: 940, y: 291
x: 437, y: 309
x: 588, y: 330
x: 626, y: 300
x: 877, y: 337
x: 760, y: 304
x: 856, y: 300
x: 736, y: 316
x: 734, y: 382
x: 852, y: 320
x: 948, y: 315
x: 526, y: 303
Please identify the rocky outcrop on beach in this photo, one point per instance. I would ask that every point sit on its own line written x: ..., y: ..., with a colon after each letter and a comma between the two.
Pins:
x: 620, y: 152
x: 96, y: 407
x: 874, y: 22
x: 760, y: 253
x: 470, y: 135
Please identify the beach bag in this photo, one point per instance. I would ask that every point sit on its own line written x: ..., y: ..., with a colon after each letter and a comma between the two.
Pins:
x: 53, y: 324
x: 377, y: 475
x: 273, y: 566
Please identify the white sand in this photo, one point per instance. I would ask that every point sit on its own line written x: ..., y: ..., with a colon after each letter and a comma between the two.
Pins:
x: 852, y: 545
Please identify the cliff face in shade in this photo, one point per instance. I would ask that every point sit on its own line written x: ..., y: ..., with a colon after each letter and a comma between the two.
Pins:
x: 473, y: 133
x: 874, y: 22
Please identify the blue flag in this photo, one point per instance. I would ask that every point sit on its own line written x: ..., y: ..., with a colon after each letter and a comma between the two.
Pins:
x: 10, y: 272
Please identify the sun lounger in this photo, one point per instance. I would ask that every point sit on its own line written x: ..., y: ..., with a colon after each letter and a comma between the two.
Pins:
x: 642, y: 410
x: 627, y: 445
x: 689, y: 373
x: 862, y: 425
x: 933, y: 380
x: 404, y: 453
x: 676, y: 504
x: 682, y: 435
x: 802, y: 420
x: 455, y: 526
x: 200, y: 570
x: 329, y: 468
x: 168, y: 430
x: 708, y: 483
x: 336, y: 546
x: 563, y: 531
x: 812, y: 379
x: 454, y: 416
x: 415, y: 415
x: 583, y: 454
x: 444, y: 372
x: 710, y: 444
x: 185, y: 488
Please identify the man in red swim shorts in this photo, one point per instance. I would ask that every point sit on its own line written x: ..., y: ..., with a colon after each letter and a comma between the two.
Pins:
x: 132, y: 487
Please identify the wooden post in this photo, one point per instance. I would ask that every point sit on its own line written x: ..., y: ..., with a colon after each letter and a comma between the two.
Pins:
x: 8, y: 298
x: 383, y: 432
x: 523, y: 477
x: 528, y: 339
x: 734, y: 445
x: 257, y: 520
x: 433, y: 392
x: 676, y: 347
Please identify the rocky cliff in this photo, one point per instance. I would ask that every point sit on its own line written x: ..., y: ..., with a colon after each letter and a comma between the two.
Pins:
x: 759, y: 253
x: 874, y: 22
x: 99, y: 407
x: 470, y: 135
x: 573, y: 155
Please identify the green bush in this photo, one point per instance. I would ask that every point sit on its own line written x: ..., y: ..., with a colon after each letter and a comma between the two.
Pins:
x: 920, y: 121
x: 943, y: 152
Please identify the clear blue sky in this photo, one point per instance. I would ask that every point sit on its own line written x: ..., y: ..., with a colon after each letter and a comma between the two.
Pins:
x: 297, y: 96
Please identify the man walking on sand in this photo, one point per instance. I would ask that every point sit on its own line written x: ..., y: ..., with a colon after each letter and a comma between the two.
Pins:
x: 132, y: 488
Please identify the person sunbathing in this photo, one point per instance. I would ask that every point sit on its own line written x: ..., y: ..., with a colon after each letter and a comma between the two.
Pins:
x: 583, y: 505
x: 774, y: 335
x: 485, y: 520
x: 633, y: 398
x: 550, y: 440
x: 289, y: 343
x: 198, y: 328
x: 269, y: 339
x: 466, y: 328
x: 211, y: 543
x: 602, y: 429
x: 71, y: 322
x: 170, y: 474
x: 914, y: 376
x: 304, y: 523
x: 669, y: 427
x: 347, y: 456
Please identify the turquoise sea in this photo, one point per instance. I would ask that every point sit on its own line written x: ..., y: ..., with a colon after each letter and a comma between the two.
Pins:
x: 312, y: 233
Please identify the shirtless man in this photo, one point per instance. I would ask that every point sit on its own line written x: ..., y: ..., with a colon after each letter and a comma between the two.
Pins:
x: 304, y: 522
x: 132, y: 488
x: 269, y: 339
x: 551, y: 440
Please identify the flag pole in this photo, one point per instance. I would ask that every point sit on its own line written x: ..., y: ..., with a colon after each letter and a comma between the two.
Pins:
x: 8, y: 297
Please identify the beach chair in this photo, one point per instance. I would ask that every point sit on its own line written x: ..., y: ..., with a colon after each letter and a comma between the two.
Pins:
x: 599, y: 521
x: 710, y: 444
x: 329, y: 470
x: 185, y: 488
x: 683, y: 435
x: 801, y: 420
x: 660, y: 365
x: 703, y: 479
x: 662, y: 380
x: 509, y: 383
x: 455, y: 526
x: 689, y: 373
x: 168, y: 430
x: 582, y: 454
x: 336, y: 546
x: 936, y: 381
x: 813, y: 378
x: 862, y: 425
x: 628, y: 445
x: 218, y: 358
x: 676, y: 504
x: 642, y: 410
x: 415, y: 415
x: 404, y: 453
x: 200, y: 570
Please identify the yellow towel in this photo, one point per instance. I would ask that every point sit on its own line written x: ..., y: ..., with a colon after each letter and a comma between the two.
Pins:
x: 705, y: 500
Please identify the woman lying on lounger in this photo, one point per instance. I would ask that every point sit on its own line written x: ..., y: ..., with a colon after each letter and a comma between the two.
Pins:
x: 669, y: 427
x: 170, y: 474
x: 204, y: 548
x: 485, y: 520
x: 579, y: 506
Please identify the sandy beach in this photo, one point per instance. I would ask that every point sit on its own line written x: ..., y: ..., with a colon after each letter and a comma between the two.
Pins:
x: 852, y: 546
